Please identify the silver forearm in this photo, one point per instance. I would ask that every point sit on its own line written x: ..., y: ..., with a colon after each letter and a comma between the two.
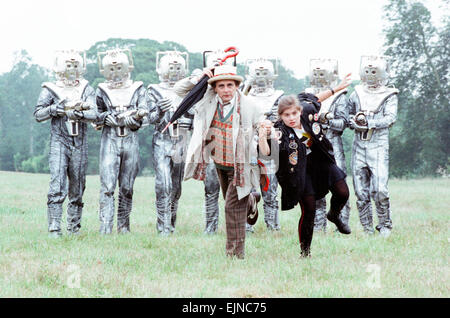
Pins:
x: 337, y: 124
x: 89, y: 115
x: 154, y: 115
x: 390, y: 115
x: 43, y: 114
x: 45, y: 106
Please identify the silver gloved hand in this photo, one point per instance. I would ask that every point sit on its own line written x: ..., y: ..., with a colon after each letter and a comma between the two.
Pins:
x: 356, y: 126
x: 57, y: 109
x: 74, y: 114
x: 111, y: 121
x: 164, y: 104
x: 331, y: 123
x: 131, y: 123
x: 325, y: 118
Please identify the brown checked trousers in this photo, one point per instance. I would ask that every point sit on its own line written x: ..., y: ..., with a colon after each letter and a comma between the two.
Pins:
x: 235, y: 214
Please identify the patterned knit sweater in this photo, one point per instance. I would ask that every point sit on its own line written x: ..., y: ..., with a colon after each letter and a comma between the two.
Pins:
x: 221, y: 131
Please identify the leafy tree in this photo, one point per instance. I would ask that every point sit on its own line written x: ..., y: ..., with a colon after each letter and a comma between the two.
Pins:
x: 420, y: 64
x: 22, y: 136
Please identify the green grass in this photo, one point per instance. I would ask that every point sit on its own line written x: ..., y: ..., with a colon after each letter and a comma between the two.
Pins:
x: 412, y: 262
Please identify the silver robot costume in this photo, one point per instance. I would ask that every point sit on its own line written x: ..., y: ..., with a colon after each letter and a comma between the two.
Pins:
x: 168, y: 148
x: 122, y: 106
x: 260, y: 76
x: 333, y: 116
x: 70, y: 104
x: 373, y: 110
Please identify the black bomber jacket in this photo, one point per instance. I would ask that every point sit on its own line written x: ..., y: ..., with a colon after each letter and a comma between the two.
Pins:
x: 291, y: 177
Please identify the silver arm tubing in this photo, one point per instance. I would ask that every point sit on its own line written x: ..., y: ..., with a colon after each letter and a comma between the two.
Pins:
x: 43, y: 114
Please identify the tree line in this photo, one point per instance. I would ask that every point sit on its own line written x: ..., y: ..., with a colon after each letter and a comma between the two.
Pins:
x: 420, y: 55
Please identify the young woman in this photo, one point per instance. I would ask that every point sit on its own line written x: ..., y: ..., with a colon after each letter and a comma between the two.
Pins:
x: 307, y: 168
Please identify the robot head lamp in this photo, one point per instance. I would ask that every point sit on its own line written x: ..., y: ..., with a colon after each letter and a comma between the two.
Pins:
x: 172, y: 66
x: 116, y: 65
x: 323, y: 72
x: 374, y: 70
x: 70, y: 65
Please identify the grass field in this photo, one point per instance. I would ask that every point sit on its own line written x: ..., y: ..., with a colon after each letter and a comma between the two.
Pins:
x: 412, y: 262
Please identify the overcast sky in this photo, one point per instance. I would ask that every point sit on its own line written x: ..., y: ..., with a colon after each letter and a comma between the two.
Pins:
x: 292, y: 30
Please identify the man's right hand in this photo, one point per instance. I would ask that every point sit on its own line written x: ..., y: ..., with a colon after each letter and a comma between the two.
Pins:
x: 208, y: 71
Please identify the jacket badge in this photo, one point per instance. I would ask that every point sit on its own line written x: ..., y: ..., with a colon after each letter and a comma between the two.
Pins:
x: 316, y: 128
x: 293, y: 158
x: 293, y: 145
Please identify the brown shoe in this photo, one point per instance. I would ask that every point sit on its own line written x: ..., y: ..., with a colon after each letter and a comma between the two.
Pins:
x: 252, y: 213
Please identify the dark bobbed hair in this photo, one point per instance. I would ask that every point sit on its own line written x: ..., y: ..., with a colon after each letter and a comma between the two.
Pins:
x: 288, y: 101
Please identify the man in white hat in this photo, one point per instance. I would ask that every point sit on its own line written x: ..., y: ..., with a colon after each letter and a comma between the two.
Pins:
x: 225, y: 124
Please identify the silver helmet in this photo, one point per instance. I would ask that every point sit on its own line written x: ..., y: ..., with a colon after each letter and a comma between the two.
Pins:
x: 116, y: 65
x: 323, y: 73
x: 261, y: 72
x: 374, y: 70
x: 69, y: 65
x: 172, y: 66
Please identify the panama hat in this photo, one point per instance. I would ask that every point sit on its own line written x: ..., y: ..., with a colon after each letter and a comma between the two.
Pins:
x: 225, y: 72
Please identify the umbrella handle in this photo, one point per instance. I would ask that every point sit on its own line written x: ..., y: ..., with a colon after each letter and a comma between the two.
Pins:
x: 167, y: 126
x: 231, y: 48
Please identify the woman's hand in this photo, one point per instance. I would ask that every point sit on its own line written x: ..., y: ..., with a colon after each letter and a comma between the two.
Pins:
x: 343, y: 84
x: 346, y: 81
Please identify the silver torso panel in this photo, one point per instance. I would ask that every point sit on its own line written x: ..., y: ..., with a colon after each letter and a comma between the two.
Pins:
x: 167, y: 92
x: 71, y: 93
x: 371, y: 102
x: 380, y: 111
x: 266, y: 101
x: 61, y: 126
x: 120, y: 96
x: 161, y: 91
x: 121, y: 100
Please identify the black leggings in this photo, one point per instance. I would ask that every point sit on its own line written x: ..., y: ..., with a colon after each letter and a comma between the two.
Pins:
x: 306, y: 223
x: 339, y: 197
